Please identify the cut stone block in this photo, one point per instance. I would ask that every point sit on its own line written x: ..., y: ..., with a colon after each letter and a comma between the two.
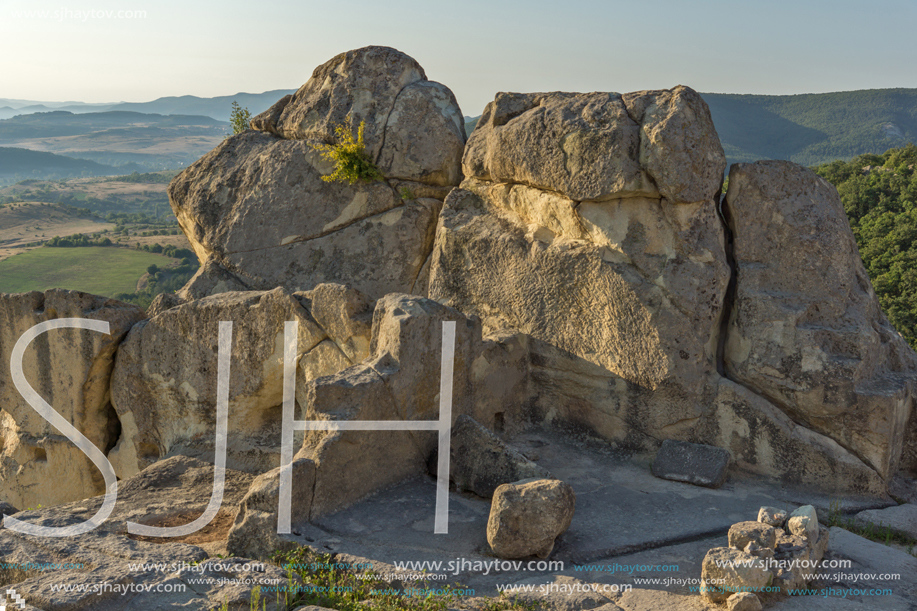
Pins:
x: 692, y: 463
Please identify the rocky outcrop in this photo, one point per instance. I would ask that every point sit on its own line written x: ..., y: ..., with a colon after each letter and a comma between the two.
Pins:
x: 806, y: 331
x: 108, y: 568
x: 210, y: 279
x: 761, y: 554
x: 568, y: 209
x: 600, y: 146
x: 70, y: 369
x: 400, y: 380
x: 254, y: 532
x: 726, y: 570
x: 255, y: 207
x: 165, y: 379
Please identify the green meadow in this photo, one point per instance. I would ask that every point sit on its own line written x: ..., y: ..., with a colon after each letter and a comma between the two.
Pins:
x: 98, y: 270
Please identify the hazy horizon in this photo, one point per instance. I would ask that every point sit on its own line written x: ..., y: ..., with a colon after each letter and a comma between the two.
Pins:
x: 110, y: 52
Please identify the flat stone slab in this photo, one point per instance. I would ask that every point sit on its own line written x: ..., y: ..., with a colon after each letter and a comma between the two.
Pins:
x: 871, y: 565
x: 620, y: 509
x: 901, y: 519
x: 693, y: 463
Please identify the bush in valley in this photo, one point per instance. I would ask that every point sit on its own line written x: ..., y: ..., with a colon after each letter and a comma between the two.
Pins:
x: 879, y: 193
x: 164, y: 280
x: 162, y: 178
x: 77, y: 240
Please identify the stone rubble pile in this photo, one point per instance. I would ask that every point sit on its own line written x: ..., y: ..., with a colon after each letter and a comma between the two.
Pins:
x: 776, y: 553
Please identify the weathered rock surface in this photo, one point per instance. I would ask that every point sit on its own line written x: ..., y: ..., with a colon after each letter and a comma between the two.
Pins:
x: 743, y: 601
x: 267, y: 121
x: 772, y: 516
x: 400, y: 380
x: 743, y: 533
x: 806, y: 331
x: 903, y: 489
x: 254, y: 532
x: 803, y: 522
x: 643, y: 273
x: 693, y: 463
x: 727, y: 570
x: 765, y: 442
x: 359, y: 85
x: 424, y: 136
x: 211, y: 279
x: 527, y: 516
x: 165, y: 379
x: 172, y: 492
x: 71, y: 370
x: 479, y: 461
x: 600, y: 146
x: 639, y: 330
x: 345, y: 314
x: 163, y: 302
x: 257, y: 208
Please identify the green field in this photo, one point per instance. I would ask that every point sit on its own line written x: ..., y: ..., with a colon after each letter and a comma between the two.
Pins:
x: 98, y: 270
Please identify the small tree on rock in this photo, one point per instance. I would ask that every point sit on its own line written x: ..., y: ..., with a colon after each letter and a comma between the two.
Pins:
x: 239, y: 118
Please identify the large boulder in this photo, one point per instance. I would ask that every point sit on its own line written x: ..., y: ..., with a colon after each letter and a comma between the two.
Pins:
x: 399, y: 379
x: 254, y: 532
x: 600, y: 146
x: 623, y: 294
x: 256, y: 207
x: 726, y: 570
x: 806, y: 331
x: 527, y: 516
x: 591, y: 224
x: 71, y: 370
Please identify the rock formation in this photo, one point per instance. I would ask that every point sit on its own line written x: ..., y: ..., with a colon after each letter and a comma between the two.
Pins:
x: 71, y: 370
x: 806, y: 331
x: 259, y: 216
x: 600, y: 286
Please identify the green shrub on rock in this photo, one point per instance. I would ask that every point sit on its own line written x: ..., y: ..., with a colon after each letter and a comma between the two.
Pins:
x: 351, y: 161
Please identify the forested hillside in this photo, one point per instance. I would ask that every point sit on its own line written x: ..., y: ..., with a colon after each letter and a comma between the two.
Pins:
x: 879, y: 193
x: 813, y: 128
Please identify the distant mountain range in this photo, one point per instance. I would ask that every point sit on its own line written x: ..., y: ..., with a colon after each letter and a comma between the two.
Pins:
x: 171, y: 132
x: 809, y: 129
x: 216, y: 108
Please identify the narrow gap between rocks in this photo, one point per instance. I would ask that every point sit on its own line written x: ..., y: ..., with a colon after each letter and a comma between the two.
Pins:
x: 731, y: 287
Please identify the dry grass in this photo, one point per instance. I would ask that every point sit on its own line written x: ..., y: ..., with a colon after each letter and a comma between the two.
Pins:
x: 35, y: 222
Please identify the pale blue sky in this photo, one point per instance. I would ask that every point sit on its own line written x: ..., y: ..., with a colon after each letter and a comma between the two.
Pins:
x: 477, y: 48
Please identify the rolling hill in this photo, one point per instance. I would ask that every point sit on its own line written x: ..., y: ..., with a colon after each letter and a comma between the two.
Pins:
x: 129, y: 140
x: 20, y: 164
x: 811, y: 129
